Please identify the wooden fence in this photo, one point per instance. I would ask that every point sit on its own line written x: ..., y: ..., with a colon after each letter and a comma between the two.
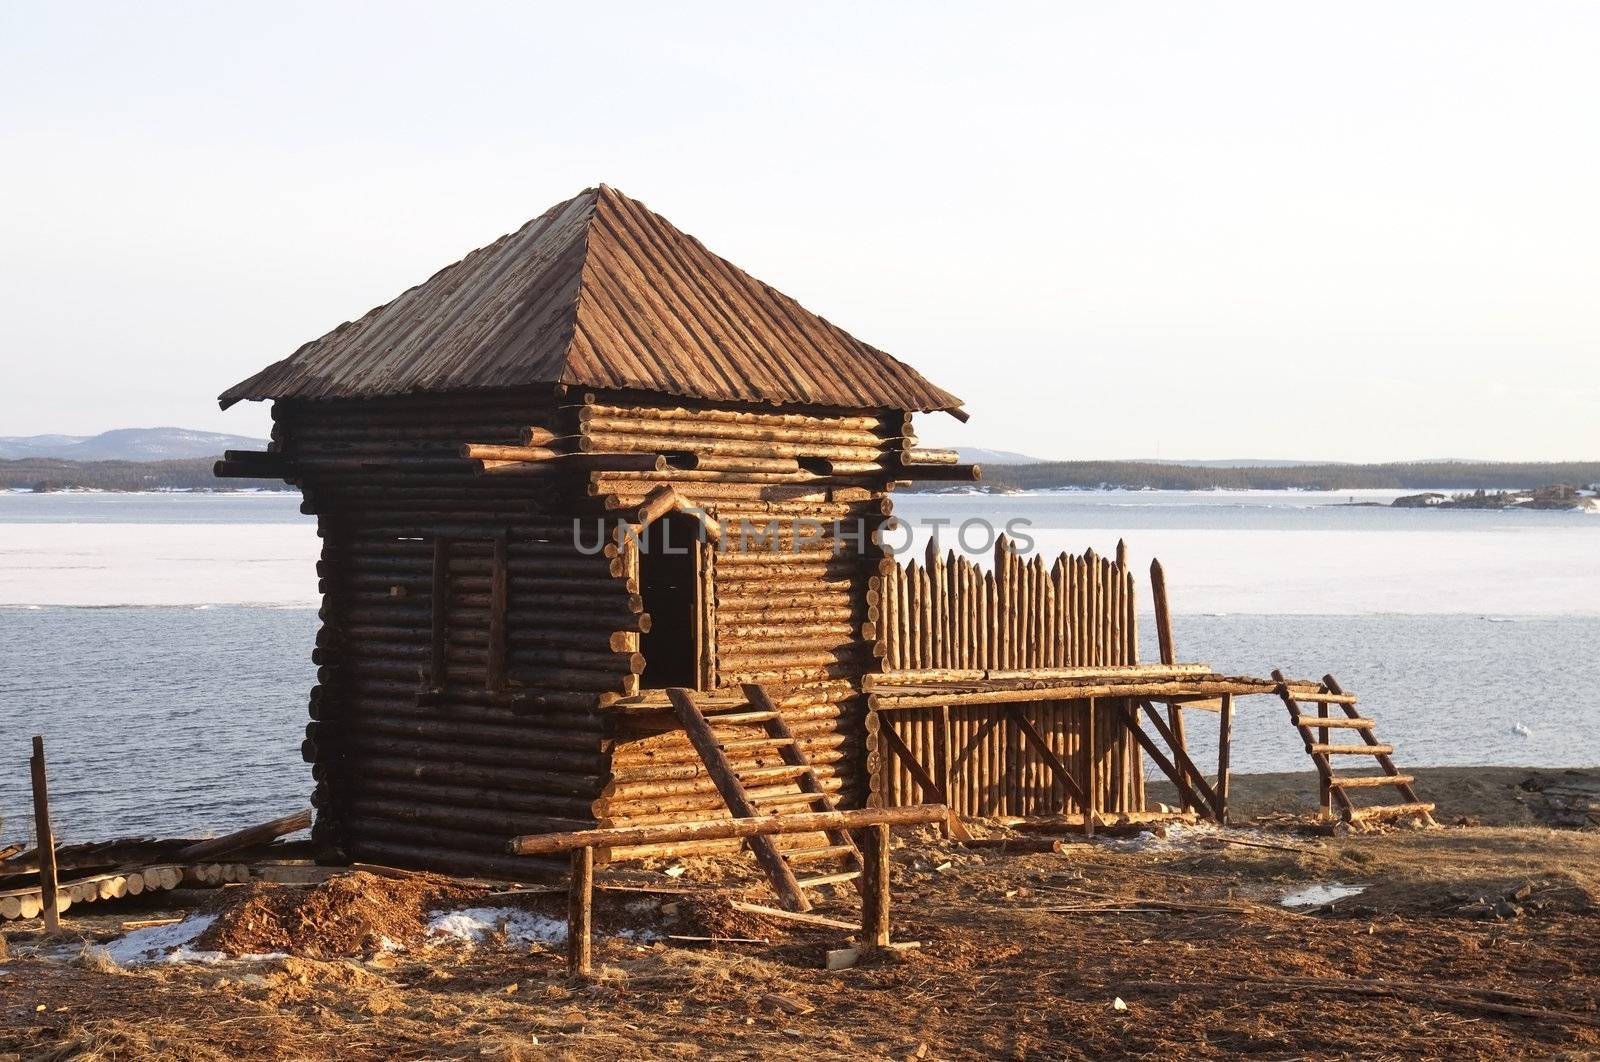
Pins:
x: 950, y: 613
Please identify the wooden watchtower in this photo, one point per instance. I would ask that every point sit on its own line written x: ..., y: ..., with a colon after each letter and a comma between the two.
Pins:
x: 526, y: 471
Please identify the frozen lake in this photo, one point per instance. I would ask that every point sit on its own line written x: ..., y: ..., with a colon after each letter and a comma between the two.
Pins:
x: 162, y: 642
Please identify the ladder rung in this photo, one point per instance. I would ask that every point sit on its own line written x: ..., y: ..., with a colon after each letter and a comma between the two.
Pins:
x: 1385, y: 811
x: 1370, y: 781
x: 1341, y: 723
x: 727, y: 718
x: 742, y: 744
x: 1324, y: 698
x: 1352, y: 750
x: 785, y: 799
x: 829, y: 879
x: 813, y: 855
x: 772, y: 774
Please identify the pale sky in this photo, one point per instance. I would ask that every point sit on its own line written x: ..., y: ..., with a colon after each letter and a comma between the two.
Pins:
x: 1355, y: 231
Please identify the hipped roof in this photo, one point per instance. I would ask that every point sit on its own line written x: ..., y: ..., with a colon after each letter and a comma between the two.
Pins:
x: 598, y: 292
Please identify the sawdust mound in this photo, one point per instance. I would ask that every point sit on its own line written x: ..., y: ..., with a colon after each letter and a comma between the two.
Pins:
x: 714, y: 916
x: 347, y: 915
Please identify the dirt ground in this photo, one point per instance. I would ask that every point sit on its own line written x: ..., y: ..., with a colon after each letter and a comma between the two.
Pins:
x: 1466, y: 942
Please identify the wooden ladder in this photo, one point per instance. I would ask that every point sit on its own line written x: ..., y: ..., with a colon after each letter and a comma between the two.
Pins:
x: 757, y: 726
x: 1315, y: 731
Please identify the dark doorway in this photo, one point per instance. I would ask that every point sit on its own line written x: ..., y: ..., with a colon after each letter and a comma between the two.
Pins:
x: 669, y: 581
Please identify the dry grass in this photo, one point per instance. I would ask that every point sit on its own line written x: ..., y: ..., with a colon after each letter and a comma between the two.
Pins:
x: 1023, y: 957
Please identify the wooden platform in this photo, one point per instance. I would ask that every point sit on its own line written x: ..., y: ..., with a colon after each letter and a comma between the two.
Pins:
x: 1166, y: 682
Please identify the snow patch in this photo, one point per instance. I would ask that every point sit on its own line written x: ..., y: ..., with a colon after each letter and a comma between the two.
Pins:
x: 1317, y: 895
x: 154, y: 944
x: 471, y: 925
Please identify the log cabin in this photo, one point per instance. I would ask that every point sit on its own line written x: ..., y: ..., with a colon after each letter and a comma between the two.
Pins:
x: 602, y: 524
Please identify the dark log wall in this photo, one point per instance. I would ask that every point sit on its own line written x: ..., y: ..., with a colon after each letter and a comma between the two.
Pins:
x: 440, y: 773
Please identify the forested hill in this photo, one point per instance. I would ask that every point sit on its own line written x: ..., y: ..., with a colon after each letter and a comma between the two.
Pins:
x: 1405, y: 476
x: 46, y: 473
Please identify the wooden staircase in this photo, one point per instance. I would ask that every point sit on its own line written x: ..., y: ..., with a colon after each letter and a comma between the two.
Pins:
x: 757, y: 725
x: 1317, y: 728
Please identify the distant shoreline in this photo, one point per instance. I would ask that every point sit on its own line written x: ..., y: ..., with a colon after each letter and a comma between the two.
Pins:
x: 195, y: 474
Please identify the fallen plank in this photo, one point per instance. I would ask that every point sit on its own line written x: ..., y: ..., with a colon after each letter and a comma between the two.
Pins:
x: 803, y: 917
x: 250, y: 835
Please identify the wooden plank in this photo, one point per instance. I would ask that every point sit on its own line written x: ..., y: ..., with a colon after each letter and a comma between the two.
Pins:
x: 805, y: 918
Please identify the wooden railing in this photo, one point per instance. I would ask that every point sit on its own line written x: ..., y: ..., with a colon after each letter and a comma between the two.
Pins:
x: 873, y: 839
x: 949, y: 613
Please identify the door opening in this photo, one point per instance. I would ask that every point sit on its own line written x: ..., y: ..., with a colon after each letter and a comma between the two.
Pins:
x: 669, y: 582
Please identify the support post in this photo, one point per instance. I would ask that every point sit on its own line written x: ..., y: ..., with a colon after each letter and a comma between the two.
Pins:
x: 1169, y: 653
x: 1091, y: 772
x: 1324, y: 783
x: 46, y: 838
x: 1224, y: 751
x: 941, y: 760
x: 874, y: 844
x: 580, y: 912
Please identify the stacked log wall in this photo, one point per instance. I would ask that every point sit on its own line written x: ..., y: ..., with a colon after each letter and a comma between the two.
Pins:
x: 442, y: 777
x: 790, y: 577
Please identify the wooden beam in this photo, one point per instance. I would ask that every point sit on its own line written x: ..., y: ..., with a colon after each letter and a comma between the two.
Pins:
x: 1180, y: 756
x: 1224, y: 753
x: 874, y: 844
x: 1091, y: 772
x: 1169, y: 653
x: 1176, y: 777
x: 724, y: 829
x: 1031, y: 734
x: 892, y: 741
x: 46, y: 840
x: 580, y: 912
x: 728, y: 785
x: 271, y: 830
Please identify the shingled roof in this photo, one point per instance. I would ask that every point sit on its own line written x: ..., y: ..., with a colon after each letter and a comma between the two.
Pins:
x: 598, y: 292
